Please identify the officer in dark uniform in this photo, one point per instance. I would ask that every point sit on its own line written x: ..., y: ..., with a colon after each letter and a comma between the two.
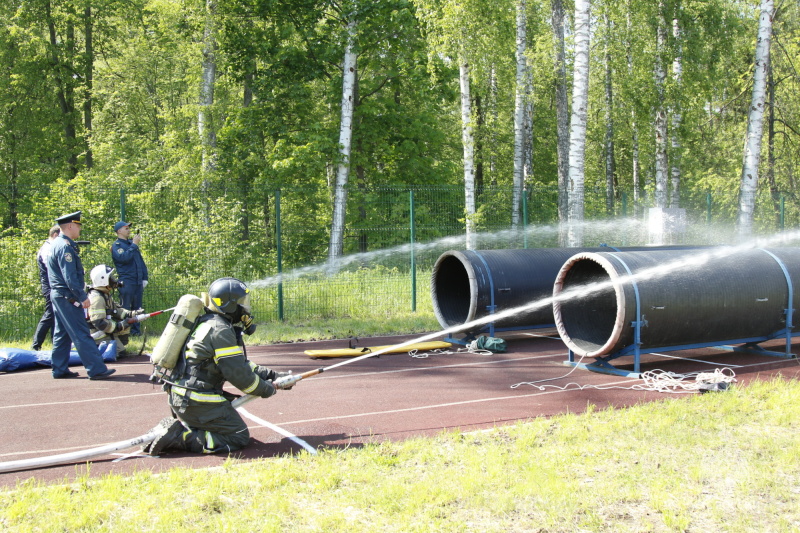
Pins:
x: 48, y: 321
x: 206, y: 420
x: 132, y: 271
x: 69, y: 299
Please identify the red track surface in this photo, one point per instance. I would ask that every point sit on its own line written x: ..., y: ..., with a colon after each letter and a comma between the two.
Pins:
x: 391, y: 397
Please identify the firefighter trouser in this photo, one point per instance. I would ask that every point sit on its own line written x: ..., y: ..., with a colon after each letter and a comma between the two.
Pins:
x: 214, y: 423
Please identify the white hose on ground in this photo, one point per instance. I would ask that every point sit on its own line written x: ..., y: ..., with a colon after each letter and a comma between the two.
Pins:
x: 81, y: 455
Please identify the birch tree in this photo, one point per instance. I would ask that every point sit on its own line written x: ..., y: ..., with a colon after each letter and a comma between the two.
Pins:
x: 208, y: 78
x: 454, y: 30
x: 562, y: 114
x: 660, y: 118
x: 520, y: 102
x: 634, y: 128
x: 610, y: 166
x: 468, y: 141
x: 335, y: 247
x: 752, y: 147
x: 675, y: 142
x: 577, y: 135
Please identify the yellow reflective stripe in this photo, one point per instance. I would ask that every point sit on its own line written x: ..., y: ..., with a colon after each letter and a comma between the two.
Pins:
x: 226, y: 352
x: 198, y: 396
x: 252, y: 386
x: 253, y: 366
x: 209, y: 442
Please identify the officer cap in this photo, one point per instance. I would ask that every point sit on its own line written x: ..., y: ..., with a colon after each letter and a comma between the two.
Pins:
x: 121, y: 224
x: 72, y: 217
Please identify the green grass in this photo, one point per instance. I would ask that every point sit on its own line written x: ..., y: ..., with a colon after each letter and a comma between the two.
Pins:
x: 716, y: 462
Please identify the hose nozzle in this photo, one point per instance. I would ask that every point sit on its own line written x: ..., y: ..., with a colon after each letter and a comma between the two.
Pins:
x: 287, y: 382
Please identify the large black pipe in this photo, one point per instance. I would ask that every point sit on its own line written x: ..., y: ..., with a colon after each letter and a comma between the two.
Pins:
x: 734, y: 294
x: 465, y: 284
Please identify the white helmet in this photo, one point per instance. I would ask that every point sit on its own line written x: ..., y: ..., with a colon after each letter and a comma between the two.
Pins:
x: 102, y: 276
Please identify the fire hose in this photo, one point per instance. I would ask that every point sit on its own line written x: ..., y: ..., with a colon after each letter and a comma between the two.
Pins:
x: 145, y: 316
x: 132, y: 320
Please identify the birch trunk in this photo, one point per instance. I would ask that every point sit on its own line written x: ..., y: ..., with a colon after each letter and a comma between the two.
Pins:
x: 562, y: 116
x: 634, y: 128
x: 660, y: 119
x: 89, y: 88
x: 577, y: 135
x: 205, y: 128
x: 336, y: 246
x: 677, y: 76
x: 611, y: 169
x: 519, y: 118
x: 527, y: 173
x: 755, y: 123
x: 469, y: 154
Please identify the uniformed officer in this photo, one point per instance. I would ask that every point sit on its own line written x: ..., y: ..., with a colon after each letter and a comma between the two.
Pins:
x: 206, y: 421
x: 65, y: 273
x: 131, y: 269
x: 47, y: 322
x: 107, y: 320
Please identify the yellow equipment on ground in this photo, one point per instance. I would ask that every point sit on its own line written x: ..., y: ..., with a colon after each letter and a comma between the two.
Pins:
x: 355, y: 352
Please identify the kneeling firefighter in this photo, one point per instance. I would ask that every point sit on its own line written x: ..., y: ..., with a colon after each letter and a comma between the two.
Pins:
x: 107, y: 320
x: 203, y: 419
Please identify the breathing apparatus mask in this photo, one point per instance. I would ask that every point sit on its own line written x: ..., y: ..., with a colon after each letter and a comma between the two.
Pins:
x: 231, y: 297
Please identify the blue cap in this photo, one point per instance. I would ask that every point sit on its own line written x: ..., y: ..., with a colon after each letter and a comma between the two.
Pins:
x: 121, y: 224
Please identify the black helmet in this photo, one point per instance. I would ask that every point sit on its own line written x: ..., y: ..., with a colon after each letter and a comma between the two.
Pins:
x: 230, y: 296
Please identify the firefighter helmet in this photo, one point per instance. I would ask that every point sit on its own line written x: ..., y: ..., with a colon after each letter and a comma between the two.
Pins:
x: 230, y: 296
x: 103, y: 276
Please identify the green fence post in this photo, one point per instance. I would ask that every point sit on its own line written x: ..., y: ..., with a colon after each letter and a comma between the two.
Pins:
x: 278, y: 240
x: 412, y: 223
x: 122, y: 204
x: 708, y: 208
x: 524, y: 218
x: 783, y: 212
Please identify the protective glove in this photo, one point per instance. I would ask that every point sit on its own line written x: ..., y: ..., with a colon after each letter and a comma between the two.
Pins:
x: 119, y: 327
x: 248, y: 327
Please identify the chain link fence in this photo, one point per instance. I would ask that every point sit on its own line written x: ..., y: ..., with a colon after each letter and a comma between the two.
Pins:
x: 278, y: 240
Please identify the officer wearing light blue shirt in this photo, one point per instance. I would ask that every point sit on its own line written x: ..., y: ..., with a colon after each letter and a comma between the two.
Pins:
x: 131, y: 270
x: 69, y: 299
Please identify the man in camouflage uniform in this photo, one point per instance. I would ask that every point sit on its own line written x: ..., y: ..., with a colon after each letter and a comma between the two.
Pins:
x: 203, y: 419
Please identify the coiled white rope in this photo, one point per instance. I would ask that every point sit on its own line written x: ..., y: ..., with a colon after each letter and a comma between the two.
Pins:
x: 655, y: 381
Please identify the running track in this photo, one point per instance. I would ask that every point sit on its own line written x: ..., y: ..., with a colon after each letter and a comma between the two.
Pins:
x: 390, y: 397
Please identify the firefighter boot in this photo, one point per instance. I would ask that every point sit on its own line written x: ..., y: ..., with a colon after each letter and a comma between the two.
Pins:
x: 169, y: 436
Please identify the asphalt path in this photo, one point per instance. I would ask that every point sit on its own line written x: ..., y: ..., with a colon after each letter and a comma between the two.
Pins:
x: 388, y: 397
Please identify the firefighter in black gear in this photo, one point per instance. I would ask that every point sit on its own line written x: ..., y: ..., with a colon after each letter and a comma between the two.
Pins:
x: 107, y: 320
x: 203, y: 419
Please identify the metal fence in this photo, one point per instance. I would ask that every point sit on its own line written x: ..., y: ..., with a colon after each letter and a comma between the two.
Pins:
x: 277, y: 241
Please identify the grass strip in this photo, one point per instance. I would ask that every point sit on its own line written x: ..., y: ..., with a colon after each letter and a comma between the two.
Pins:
x: 727, y: 461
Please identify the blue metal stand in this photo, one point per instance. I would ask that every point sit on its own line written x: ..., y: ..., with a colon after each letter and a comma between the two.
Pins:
x: 603, y: 364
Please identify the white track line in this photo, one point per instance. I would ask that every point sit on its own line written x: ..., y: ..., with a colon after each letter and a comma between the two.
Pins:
x: 698, y: 360
x: 278, y: 430
x: 61, y: 403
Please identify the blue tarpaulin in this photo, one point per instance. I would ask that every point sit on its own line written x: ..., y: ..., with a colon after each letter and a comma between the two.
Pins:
x: 12, y: 359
